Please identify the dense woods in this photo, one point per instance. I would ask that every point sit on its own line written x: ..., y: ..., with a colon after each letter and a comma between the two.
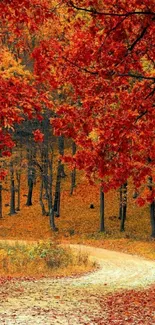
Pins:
x: 82, y: 71
x: 77, y: 161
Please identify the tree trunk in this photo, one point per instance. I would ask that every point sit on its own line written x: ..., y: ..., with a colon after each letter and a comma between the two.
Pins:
x: 120, y: 205
x: 51, y: 208
x: 52, y: 221
x: 73, y: 172
x: 44, y: 213
x: 45, y: 159
x: 50, y: 202
x: 1, y: 211
x: 61, y: 152
x: 30, y: 192
x: 152, y: 210
x: 18, y: 177
x: 124, y: 207
x: 31, y: 175
x: 12, y: 190
x: 102, y: 228
x: 152, y: 217
x: 57, y: 191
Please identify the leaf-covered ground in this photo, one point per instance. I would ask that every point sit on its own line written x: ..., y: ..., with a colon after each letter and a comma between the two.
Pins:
x: 107, y: 296
x: 67, y: 302
x: 80, y: 224
x: 60, y: 301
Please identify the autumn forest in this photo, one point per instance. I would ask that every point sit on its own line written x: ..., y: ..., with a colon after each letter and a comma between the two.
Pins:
x: 77, y: 161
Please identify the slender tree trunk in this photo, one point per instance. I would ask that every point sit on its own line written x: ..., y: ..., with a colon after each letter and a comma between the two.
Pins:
x: 44, y: 213
x: 34, y: 170
x: 50, y: 202
x: 30, y: 191
x: 52, y: 220
x: 40, y: 166
x: 152, y: 211
x: 1, y: 199
x: 31, y: 173
x: 51, y: 210
x: 52, y: 213
x: 12, y: 190
x: 46, y: 176
x: 102, y: 227
x: 57, y: 191
x: 1, y: 211
x: 120, y: 204
x: 18, y: 177
x: 61, y: 152
x: 152, y: 217
x: 124, y: 207
x: 73, y: 172
x: 45, y: 159
x: 44, y: 173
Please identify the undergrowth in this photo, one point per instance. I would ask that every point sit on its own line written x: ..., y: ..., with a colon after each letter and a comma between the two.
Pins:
x: 41, y: 259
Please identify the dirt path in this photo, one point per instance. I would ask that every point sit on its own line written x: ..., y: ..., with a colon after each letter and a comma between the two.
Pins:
x: 74, y: 301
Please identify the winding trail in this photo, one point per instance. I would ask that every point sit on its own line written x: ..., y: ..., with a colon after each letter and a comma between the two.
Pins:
x: 117, y: 270
x: 74, y: 301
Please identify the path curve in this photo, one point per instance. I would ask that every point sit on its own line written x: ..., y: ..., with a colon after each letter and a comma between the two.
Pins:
x: 74, y: 301
x: 117, y: 269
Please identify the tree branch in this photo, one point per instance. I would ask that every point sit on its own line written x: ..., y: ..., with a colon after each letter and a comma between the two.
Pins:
x: 95, y: 12
x: 145, y: 112
x: 80, y: 68
x: 138, y: 38
x: 131, y: 75
x: 111, y: 73
x: 141, y: 115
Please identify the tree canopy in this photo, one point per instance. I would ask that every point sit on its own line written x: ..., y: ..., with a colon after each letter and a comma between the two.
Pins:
x: 100, y: 56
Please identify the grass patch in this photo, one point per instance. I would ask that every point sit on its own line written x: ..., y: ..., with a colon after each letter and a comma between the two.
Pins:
x: 42, y: 259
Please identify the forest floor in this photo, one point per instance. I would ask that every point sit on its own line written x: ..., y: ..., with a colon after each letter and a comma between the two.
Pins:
x: 80, y: 224
x: 117, y: 293
x: 121, y: 292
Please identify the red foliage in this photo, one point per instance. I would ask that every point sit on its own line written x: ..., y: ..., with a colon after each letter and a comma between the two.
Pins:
x: 112, y: 92
x: 129, y: 307
x: 100, y: 59
x: 140, y: 201
x: 38, y: 136
x: 3, y: 173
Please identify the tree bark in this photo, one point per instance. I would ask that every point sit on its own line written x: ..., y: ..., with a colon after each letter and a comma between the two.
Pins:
x: 52, y: 220
x: 12, y: 190
x: 57, y: 191
x: 73, y: 172
x: 102, y: 227
x: 152, y: 217
x: 1, y: 210
x: 124, y: 207
x: 31, y: 175
x: 120, y: 205
x: 61, y: 152
x: 18, y: 177
x: 44, y: 213
x: 30, y: 191
x: 152, y: 210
